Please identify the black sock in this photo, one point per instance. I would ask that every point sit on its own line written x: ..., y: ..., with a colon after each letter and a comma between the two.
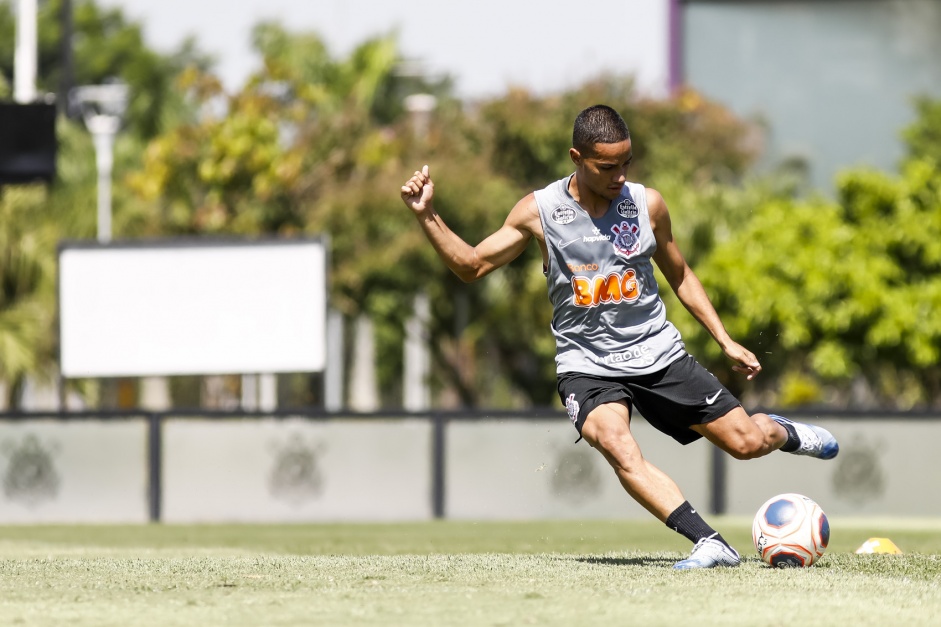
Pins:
x: 793, y: 442
x: 687, y: 522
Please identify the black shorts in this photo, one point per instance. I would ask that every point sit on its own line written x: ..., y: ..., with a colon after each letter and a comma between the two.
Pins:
x: 679, y: 396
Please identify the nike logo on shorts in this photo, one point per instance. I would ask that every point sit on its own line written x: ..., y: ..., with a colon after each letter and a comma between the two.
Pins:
x: 712, y: 399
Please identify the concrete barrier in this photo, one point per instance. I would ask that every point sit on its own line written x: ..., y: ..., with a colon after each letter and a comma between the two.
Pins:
x: 73, y: 471
x: 396, y: 467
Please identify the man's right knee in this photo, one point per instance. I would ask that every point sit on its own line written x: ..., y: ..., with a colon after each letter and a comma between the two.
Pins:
x: 606, y: 423
x: 611, y: 438
x: 607, y: 429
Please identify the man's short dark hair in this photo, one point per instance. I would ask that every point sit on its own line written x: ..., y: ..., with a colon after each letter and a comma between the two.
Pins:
x: 599, y: 124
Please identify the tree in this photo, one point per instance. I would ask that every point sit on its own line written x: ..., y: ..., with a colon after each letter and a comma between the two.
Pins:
x: 491, y: 339
x: 313, y: 144
x: 34, y: 218
x: 687, y: 147
x: 24, y: 316
x: 923, y: 137
x: 832, y: 295
x: 106, y: 46
x: 302, y: 148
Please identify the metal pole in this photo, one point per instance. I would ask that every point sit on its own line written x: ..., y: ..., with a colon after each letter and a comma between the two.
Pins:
x: 334, y: 369
x: 155, y: 466
x: 24, y: 72
x: 675, y: 45
x: 416, y: 395
x: 65, y: 50
x: 719, y: 481
x: 103, y: 129
x: 438, y: 466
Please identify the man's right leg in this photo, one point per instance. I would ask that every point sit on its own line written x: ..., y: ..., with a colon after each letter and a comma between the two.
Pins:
x: 607, y: 428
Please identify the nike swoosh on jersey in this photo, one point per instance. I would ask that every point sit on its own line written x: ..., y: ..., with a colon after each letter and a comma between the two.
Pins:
x: 564, y: 244
x: 712, y: 399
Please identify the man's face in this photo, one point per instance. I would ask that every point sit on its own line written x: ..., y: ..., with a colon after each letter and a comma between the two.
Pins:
x: 603, y: 168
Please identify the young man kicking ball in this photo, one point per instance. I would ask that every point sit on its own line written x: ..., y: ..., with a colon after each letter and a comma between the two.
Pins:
x: 615, y: 350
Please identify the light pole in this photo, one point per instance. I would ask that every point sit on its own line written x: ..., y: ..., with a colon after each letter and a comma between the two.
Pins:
x: 416, y: 395
x: 103, y: 108
x: 420, y: 107
x: 25, y: 53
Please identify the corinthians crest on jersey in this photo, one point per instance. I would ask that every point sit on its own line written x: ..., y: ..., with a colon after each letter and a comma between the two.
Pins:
x: 626, y: 239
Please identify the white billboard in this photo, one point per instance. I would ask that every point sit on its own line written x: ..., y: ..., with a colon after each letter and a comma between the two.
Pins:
x: 185, y: 307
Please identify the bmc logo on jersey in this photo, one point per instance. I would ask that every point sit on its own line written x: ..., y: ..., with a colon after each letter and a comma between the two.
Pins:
x: 613, y: 288
x: 627, y: 208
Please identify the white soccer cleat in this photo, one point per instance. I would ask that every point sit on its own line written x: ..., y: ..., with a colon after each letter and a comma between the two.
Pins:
x: 814, y: 441
x: 709, y: 553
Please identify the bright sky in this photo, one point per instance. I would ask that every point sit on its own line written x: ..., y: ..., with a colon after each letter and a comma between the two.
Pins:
x: 486, y: 45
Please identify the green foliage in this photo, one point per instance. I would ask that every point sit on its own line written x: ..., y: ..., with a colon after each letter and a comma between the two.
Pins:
x: 686, y: 146
x: 923, y: 137
x: 827, y: 293
x: 298, y: 150
x: 297, y: 132
x: 686, y: 137
x: 33, y: 220
x: 106, y: 46
x: 798, y: 389
x: 24, y: 312
x: 839, y: 291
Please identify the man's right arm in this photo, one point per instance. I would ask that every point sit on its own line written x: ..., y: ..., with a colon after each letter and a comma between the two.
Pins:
x: 469, y: 262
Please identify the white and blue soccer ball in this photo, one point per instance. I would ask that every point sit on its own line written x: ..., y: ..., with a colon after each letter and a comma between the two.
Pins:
x: 790, y: 531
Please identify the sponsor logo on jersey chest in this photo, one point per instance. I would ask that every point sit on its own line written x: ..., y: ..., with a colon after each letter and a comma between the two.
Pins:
x: 614, y: 287
x: 595, y: 237
x: 627, y: 208
x: 563, y: 214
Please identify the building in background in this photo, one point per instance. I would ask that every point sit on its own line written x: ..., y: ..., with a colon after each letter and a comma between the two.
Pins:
x: 832, y: 81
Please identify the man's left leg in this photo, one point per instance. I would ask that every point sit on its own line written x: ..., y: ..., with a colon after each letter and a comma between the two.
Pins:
x: 807, y: 439
x: 747, y: 437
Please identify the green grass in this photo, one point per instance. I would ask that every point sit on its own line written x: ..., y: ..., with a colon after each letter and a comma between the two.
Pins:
x: 452, y: 573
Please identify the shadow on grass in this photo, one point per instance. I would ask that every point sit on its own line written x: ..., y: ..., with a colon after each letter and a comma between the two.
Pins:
x: 628, y: 561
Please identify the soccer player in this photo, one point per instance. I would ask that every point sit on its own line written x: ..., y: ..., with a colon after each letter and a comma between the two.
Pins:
x: 615, y: 349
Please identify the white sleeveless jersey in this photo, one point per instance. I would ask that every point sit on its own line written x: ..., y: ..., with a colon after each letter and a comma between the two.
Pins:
x: 608, y: 318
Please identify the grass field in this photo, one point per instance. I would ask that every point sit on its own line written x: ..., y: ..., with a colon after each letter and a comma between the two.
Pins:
x: 453, y: 573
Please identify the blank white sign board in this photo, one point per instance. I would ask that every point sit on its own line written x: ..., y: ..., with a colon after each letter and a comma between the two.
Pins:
x: 184, y: 308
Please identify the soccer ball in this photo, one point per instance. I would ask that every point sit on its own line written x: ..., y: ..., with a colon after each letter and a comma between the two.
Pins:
x: 790, y: 530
